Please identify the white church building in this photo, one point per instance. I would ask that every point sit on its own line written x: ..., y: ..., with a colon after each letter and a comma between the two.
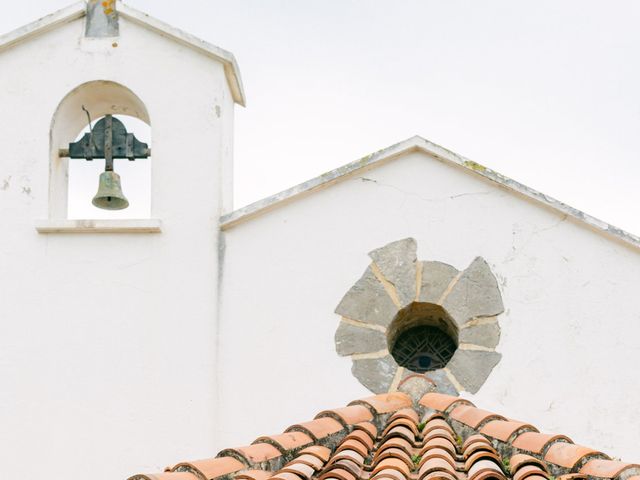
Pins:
x: 414, y: 279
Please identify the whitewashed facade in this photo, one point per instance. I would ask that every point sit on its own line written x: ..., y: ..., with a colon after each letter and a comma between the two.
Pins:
x: 126, y: 345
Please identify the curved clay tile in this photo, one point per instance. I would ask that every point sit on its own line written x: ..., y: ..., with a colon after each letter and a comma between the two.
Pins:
x: 367, y: 427
x: 503, y: 429
x: 528, y: 471
x: 408, y: 413
x: 210, y: 468
x: 310, y: 460
x: 521, y: 460
x: 438, y: 443
x: 318, y: 428
x: 484, y: 469
x: 348, y: 415
x: 304, y: 471
x: 477, y: 438
x: 607, y: 468
x: 253, y: 475
x: 252, y: 454
x: 164, y: 476
x: 438, y: 453
x: 404, y: 422
x: 286, y: 441
x: 361, y: 437
x: 567, y: 454
x: 537, y: 442
x: 434, y: 423
x: 441, y: 402
x: 323, y: 453
x: 386, y: 402
x: 472, y: 416
x: 435, y: 465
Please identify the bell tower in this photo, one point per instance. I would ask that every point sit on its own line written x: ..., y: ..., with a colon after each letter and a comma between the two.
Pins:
x: 106, y: 314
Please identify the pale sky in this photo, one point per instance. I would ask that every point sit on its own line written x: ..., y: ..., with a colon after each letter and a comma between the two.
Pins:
x: 545, y: 91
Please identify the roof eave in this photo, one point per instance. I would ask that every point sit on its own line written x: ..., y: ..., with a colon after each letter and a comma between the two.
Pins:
x: 418, y: 143
x: 42, y: 25
x: 78, y: 10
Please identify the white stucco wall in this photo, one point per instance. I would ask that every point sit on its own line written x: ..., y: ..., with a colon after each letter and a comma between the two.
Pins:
x: 569, y: 333
x: 107, y: 341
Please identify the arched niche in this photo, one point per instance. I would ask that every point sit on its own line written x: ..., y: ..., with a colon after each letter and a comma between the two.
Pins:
x: 100, y: 97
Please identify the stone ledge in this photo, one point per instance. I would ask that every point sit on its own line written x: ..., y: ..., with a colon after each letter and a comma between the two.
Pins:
x: 146, y: 225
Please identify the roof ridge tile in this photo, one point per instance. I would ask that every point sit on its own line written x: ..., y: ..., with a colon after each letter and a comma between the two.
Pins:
x: 378, y: 438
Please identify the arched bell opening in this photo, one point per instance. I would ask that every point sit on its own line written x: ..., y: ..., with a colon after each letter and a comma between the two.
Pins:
x: 74, y: 182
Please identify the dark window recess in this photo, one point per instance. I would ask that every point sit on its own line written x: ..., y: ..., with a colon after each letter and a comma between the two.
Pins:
x: 423, y: 349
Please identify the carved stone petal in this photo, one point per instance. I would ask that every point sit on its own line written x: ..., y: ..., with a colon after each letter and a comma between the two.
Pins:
x: 397, y: 262
x: 485, y: 335
x: 476, y: 294
x: 368, y: 302
x: 375, y: 373
x: 436, y: 277
x: 351, y: 339
x: 472, y: 367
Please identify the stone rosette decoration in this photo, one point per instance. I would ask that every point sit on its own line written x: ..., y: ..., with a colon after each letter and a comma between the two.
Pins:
x: 396, y: 281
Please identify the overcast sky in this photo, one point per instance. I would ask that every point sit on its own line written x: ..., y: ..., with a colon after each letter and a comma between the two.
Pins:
x: 545, y: 91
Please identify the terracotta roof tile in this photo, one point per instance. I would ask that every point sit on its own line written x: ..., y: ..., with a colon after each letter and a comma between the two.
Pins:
x: 210, y: 468
x: 529, y: 471
x: 568, y: 454
x: 302, y: 470
x: 252, y: 454
x: 164, y: 476
x: 253, y: 475
x: 323, y: 453
x: 521, y: 460
x: 318, y: 428
x: 408, y: 413
x: 348, y: 415
x: 581, y: 476
x: 387, y: 402
x: 362, y: 437
x: 503, y: 429
x: 473, y: 416
x: 606, y: 468
x: 312, y: 460
x: 441, y: 402
x: 377, y: 438
x: 286, y: 441
x: 368, y: 427
x: 537, y: 442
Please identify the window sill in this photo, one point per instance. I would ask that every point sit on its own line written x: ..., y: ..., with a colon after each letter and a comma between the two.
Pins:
x: 147, y: 225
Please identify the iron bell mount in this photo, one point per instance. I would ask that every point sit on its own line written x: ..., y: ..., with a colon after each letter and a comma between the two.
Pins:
x: 109, y: 139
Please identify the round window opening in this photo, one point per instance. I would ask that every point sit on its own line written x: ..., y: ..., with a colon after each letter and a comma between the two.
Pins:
x: 422, y: 337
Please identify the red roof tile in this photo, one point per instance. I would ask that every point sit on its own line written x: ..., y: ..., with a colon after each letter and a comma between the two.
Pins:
x: 386, y: 402
x: 473, y: 416
x: 318, y: 428
x: 503, y: 429
x: 286, y: 441
x: 537, y: 442
x: 568, y: 454
x: 348, y: 415
x: 441, y: 402
x: 210, y: 468
x: 377, y: 438
x: 606, y: 468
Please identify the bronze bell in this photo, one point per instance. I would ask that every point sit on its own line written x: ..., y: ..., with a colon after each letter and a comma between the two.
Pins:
x: 110, y: 196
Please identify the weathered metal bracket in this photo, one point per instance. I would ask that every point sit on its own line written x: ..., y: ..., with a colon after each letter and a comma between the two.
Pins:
x: 108, y: 139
